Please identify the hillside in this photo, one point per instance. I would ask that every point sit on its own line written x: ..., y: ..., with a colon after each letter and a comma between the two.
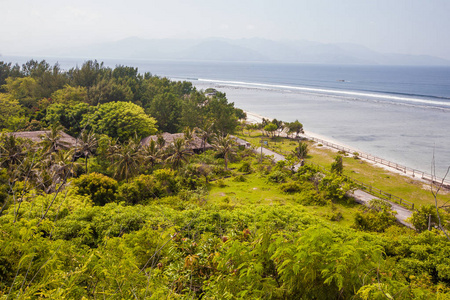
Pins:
x: 153, y: 198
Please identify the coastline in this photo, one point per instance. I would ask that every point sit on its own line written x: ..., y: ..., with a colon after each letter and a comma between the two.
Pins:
x: 393, y: 167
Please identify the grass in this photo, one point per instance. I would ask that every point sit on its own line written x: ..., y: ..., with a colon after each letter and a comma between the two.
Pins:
x: 414, y: 191
x: 256, y: 190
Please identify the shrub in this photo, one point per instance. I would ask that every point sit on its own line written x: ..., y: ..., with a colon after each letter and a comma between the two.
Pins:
x: 427, y: 214
x: 239, y: 178
x: 166, y: 183
x: 291, y: 187
x: 138, y: 190
x: 277, y: 177
x: 245, y: 167
x: 337, y: 166
x: 373, y: 220
x: 100, y: 188
x: 311, y: 197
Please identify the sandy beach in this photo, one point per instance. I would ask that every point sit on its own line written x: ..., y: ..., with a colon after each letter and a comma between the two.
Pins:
x: 334, y: 145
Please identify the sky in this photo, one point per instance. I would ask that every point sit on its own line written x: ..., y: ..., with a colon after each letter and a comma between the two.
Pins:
x: 391, y: 26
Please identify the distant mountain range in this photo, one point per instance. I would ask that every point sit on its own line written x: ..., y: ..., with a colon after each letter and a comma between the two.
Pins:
x: 252, y: 49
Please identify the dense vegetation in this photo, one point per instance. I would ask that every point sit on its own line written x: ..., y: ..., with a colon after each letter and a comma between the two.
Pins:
x: 112, y: 218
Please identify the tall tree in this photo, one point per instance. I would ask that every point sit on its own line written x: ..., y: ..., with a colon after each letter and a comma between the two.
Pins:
x: 225, y: 145
x: 177, y: 153
x: 52, y: 140
x: 122, y: 120
x: 127, y: 160
x: 86, y: 146
x: 166, y: 109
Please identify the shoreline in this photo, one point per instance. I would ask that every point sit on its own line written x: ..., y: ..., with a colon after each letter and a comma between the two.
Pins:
x: 254, y: 118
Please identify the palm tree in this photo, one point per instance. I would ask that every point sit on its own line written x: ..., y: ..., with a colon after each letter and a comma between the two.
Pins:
x: 225, y: 146
x: 63, y: 165
x: 205, y: 133
x: 12, y: 151
x: 160, y: 141
x: 87, y: 144
x: 178, y: 153
x: 151, y: 153
x: 128, y: 160
x: 51, y: 140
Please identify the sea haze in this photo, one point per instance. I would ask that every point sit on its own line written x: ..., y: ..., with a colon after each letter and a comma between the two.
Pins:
x: 398, y: 113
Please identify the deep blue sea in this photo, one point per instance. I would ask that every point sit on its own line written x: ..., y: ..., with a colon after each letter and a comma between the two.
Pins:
x: 399, y: 113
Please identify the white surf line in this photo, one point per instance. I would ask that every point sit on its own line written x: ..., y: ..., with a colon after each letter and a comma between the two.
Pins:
x: 267, y: 86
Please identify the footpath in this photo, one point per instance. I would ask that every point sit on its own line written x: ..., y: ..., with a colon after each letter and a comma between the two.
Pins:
x: 359, y: 195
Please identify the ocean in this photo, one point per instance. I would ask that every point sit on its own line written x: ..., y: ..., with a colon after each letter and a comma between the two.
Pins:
x: 399, y: 113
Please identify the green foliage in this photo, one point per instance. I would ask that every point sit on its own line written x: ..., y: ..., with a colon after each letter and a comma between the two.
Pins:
x: 173, y: 234
x: 70, y: 95
x: 426, y: 218
x: 301, y: 151
x: 138, y: 190
x: 377, y: 218
x: 166, y: 182
x: 335, y: 187
x: 25, y: 90
x: 271, y: 128
x: 277, y: 176
x: 295, y: 127
x: 166, y: 109
x: 222, y: 114
x: 291, y: 187
x: 337, y: 166
x: 68, y: 115
x: 100, y: 188
x: 245, y: 167
x: 9, y: 112
x: 122, y: 120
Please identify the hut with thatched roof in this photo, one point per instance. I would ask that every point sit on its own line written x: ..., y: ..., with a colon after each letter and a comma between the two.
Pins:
x: 195, y: 143
x: 38, y: 136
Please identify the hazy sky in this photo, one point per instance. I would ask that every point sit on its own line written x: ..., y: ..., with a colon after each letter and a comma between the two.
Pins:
x: 400, y: 26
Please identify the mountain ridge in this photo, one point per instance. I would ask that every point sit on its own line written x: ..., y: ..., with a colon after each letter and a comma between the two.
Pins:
x: 246, y: 49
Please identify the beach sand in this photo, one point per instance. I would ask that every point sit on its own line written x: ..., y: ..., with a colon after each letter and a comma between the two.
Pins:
x: 254, y: 118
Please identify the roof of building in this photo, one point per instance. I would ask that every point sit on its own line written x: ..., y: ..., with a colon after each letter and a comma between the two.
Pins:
x: 37, y: 136
x: 194, y: 144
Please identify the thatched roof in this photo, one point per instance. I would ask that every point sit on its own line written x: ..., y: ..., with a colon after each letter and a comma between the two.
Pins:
x: 241, y: 142
x: 194, y: 144
x: 36, y: 136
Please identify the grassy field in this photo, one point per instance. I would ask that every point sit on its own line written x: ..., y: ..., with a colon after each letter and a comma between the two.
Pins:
x: 256, y: 190
x: 407, y: 188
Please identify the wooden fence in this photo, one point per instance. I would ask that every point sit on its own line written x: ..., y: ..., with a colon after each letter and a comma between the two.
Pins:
x: 373, y: 190
x: 404, y: 169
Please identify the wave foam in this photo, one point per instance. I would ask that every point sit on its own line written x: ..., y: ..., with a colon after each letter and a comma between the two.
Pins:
x: 327, y: 91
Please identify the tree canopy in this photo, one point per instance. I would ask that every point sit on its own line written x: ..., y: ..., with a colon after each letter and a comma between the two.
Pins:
x: 122, y: 120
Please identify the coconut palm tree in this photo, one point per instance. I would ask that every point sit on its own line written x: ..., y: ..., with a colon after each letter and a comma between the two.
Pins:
x: 205, y: 134
x: 177, y: 153
x: 160, y: 141
x: 51, y: 140
x: 127, y: 160
x: 150, y: 153
x: 225, y: 145
x: 12, y: 150
x: 86, y: 146
x: 63, y: 165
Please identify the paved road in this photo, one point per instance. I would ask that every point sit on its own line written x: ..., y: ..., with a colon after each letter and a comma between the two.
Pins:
x: 359, y: 195
x: 402, y: 213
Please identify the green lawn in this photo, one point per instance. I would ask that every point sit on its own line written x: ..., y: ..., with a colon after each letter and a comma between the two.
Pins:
x: 415, y: 191
x: 256, y: 190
